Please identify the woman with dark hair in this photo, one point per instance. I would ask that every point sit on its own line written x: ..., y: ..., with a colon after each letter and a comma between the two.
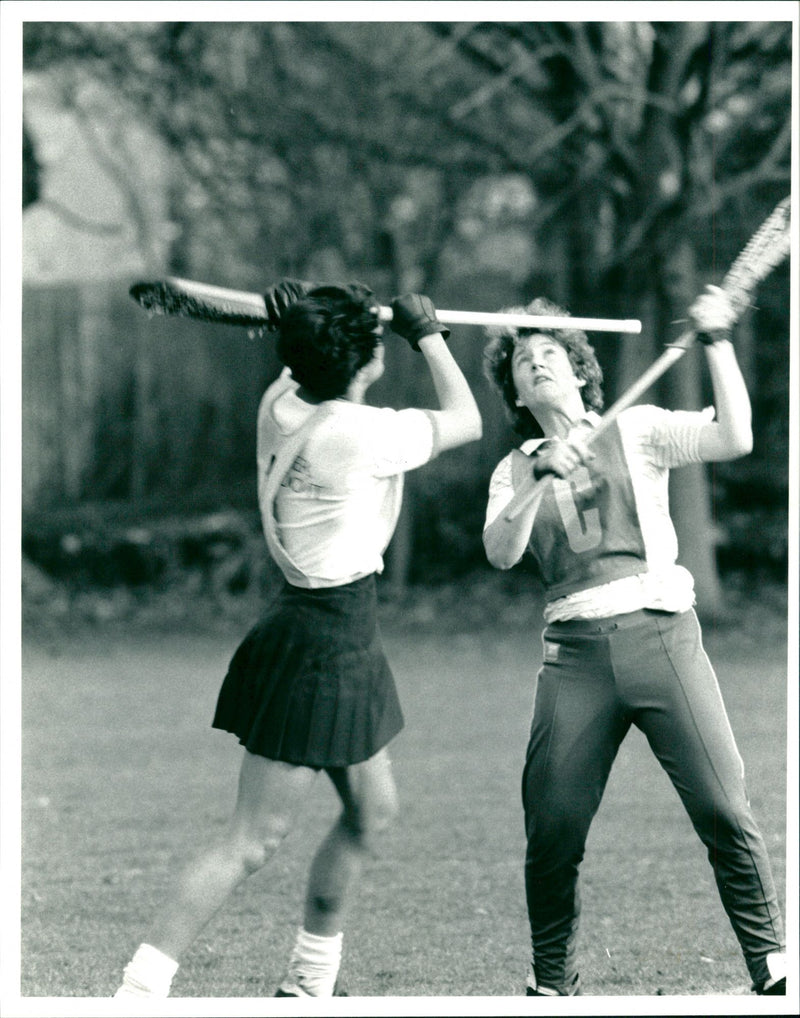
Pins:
x: 621, y: 645
x: 309, y: 689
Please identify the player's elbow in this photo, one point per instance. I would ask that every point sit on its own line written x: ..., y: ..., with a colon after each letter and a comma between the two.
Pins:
x: 458, y: 427
x: 500, y: 562
x: 475, y: 426
x: 471, y: 421
x: 745, y: 445
x: 720, y: 444
x: 498, y: 554
x: 740, y: 443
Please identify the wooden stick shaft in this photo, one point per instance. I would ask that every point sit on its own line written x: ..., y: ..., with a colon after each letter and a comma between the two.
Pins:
x: 253, y: 304
x: 522, y: 321
x: 673, y: 353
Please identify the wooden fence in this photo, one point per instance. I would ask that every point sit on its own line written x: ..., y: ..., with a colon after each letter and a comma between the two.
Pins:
x: 119, y: 405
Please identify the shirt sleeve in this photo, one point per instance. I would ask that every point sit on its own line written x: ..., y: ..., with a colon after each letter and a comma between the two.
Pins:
x: 402, y: 440
x: 266, y: 425
x: 501, y: 490
x: 672, y: 437
x: 372, y: 442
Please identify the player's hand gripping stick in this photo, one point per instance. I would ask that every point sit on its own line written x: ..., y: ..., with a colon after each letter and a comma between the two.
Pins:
x: 767, y: 248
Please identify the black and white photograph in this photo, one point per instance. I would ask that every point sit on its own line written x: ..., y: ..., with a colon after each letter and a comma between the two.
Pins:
x: 399, y: 442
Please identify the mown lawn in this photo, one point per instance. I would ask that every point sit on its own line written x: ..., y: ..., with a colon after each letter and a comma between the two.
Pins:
x: 122, y: 775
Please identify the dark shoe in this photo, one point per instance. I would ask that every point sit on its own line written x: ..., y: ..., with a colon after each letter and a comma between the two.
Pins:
x: 533, y: 989
x: 776, y: 989
x: 337, y: 992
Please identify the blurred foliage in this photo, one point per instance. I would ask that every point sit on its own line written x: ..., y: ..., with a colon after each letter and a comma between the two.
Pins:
x: 289, y: 138
x: 580, y: 159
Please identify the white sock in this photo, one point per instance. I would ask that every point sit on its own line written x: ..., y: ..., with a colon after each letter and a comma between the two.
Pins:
x: 313, y: 964
x: 148, y: 974
x: 776, y: 965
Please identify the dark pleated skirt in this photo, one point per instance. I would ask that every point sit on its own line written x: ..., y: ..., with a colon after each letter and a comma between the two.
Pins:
x: 310, y: 683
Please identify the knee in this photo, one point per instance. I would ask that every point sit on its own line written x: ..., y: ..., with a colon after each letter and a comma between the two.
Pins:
x: 257, y: 848
x: 366, y: 824
x: 556, y: 839
x: 329, y: 904
x: 727, y: 824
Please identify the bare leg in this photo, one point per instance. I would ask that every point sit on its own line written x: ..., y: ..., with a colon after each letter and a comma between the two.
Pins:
x: 268, y: 797
x: 369, y: 800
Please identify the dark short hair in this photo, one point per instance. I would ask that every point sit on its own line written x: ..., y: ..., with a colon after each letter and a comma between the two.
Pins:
x: 497, y: 357
x: 328, y: 336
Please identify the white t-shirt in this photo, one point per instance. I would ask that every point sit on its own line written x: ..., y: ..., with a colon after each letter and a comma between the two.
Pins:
x: 338, y: 504
x: 654, y: 440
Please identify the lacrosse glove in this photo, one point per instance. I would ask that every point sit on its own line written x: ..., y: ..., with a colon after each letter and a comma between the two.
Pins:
x: 414, y: 317
x: 712, y: 316
x: 278, y: 298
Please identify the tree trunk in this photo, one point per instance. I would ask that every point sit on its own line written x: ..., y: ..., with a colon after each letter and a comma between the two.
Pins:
x: 399, y: 554
x: 145, y: 413
x: 691, y: 503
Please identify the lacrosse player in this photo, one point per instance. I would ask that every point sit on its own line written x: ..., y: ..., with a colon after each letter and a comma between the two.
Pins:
x: 621, y: 644
x: 309, y: 689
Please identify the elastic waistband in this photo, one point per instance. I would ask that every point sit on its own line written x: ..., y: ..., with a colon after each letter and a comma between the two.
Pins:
x: 608, y: 625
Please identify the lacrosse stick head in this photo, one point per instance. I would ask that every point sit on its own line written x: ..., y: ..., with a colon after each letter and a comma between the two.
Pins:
x: 766, y: 249
x: 187, y: 299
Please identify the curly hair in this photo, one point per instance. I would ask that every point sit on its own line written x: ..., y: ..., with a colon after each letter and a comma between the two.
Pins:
x: 497, y: 357
x: 328, y: 336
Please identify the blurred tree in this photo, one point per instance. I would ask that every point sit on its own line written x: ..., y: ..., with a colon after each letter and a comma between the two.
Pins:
x: 650, y: 133
x: 316, y: 148
x: 30, y: 170
x: 293, y: 137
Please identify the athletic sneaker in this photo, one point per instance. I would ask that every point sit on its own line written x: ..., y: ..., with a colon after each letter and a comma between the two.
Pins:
x: 775, y: 984
x: 776, y: 989
x: 534, y: 989
x: 287, y: 989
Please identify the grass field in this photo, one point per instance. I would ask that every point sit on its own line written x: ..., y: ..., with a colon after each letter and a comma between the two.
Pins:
x: 122, y: 774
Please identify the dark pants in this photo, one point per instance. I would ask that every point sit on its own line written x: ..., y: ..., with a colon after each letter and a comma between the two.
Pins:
x: 648, y: 669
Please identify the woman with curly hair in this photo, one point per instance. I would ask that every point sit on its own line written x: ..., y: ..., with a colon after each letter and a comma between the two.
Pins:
x: 309, y: 689
x: 621, y: 645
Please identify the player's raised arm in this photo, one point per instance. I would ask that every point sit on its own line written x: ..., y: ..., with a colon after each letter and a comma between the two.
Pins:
x: 458, y: 420
x: 730, y: 435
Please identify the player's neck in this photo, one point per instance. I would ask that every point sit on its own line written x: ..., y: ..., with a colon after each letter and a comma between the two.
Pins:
x: 558, y: 421
x: 308, y: 397
x: 357, y: 390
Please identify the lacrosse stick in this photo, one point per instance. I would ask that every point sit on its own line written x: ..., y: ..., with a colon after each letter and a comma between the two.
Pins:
x: 189, y: 299
x: 766, y: 249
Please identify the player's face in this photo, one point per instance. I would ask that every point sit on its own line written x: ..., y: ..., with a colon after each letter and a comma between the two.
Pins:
x: 542, y: 373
